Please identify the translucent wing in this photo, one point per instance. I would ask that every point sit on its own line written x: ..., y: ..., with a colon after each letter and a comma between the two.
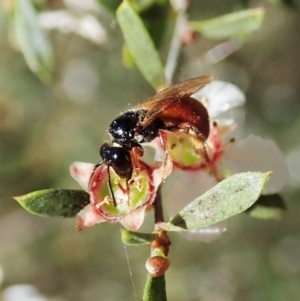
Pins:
x: 168, y: 97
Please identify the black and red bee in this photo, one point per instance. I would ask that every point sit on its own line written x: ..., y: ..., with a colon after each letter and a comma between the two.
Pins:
x: 172, y: 109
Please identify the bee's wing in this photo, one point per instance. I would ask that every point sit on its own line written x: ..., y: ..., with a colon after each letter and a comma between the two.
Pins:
x: 168, y: 97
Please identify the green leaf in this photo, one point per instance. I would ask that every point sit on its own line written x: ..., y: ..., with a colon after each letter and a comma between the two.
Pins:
x: 155, y: 289
x: 138, y: 5
x: 31, y: 39
x: 156, y: 19
x: 128, y: 60
x: 276, y: 1
x: 110, y: 5
x: 141, y: 45
x: 141, y: 5
x: 136, y: 238
x: 54, y: 202
x: 267, y: 207
x: 237, y: 24
x: 228, y: 198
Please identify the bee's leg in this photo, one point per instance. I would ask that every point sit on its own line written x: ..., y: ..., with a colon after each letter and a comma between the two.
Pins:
x: 201, y: 147
x: 198, y: 140
x: 110, y: 186
x: 135, y: 154
x: 163, y: 141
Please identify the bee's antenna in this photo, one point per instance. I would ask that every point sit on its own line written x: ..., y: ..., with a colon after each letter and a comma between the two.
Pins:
x: 95, y: 167
x: 108, y: 180
x: 110, y: 187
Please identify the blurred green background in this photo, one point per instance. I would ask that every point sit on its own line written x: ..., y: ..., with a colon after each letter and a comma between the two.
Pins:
x: 46, y: 127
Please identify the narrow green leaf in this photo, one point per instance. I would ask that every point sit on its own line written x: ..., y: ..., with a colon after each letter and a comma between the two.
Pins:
x: 110, y: 5
x: 136, y: 238
x: 228, y: 198
x: 156, y: 20
x: 54, y: 202
x: 276, y: 1
x: 141, y: 5
x: 237, y: 24
x: 31, y: 39
x: 128, y: 60
x: 155, y: 289
x: 141, y: 45
x: 267, y: 207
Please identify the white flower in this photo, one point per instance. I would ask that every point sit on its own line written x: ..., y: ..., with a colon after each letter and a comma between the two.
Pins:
x: 22, y: 292
x: 256, y: 154
x: 84, y: 25
x: 132, y: 199
x: 224, y: 103
x: 180, y: 189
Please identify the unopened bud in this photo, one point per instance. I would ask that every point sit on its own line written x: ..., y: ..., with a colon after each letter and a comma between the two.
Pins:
x: 157, y: 265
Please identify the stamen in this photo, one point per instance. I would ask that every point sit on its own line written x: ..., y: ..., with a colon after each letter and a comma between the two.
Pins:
x: 106, y: 201
x: 124, y: 190
x: 131, y: 181
x: 139, y: 185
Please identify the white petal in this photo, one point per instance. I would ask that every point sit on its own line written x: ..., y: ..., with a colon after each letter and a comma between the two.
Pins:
x: 88, y: 217
x: 86, y: 25
x: 160, y: 173
x: 24, y: 292
x: 221, y: 98
x: 134, y: 219
x: 207, y: 234
x: 182, y: 187
x: 256, y: 154
x: 89, y: 27
x: 81, y: 172
x: 58, y: 19
x: 294, y: 166
x: 234, y: 116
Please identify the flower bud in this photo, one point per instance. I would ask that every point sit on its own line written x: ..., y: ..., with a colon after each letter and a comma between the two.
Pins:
x: 157, y: 265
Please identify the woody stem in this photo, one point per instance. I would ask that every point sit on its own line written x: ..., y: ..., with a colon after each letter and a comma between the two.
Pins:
x: 158, y: 208
x: 176, y: 43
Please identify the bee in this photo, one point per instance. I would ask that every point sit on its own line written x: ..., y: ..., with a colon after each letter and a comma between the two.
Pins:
x: 172, y: 109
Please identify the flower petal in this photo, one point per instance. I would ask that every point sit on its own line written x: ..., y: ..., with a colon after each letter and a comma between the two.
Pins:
x: 24, y: 292
x: 88, y: 217
x: 182, y: 187
x: 81, y: 173
x: 161, y: 172
x: 185, y: 186
x: 207, y: 234
x: 221, y: 97
x: 134, y: 219
x: 256, y: 154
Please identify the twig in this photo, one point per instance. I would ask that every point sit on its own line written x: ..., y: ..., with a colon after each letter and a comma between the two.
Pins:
x: 158, y: 208
x: 176, y: 43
